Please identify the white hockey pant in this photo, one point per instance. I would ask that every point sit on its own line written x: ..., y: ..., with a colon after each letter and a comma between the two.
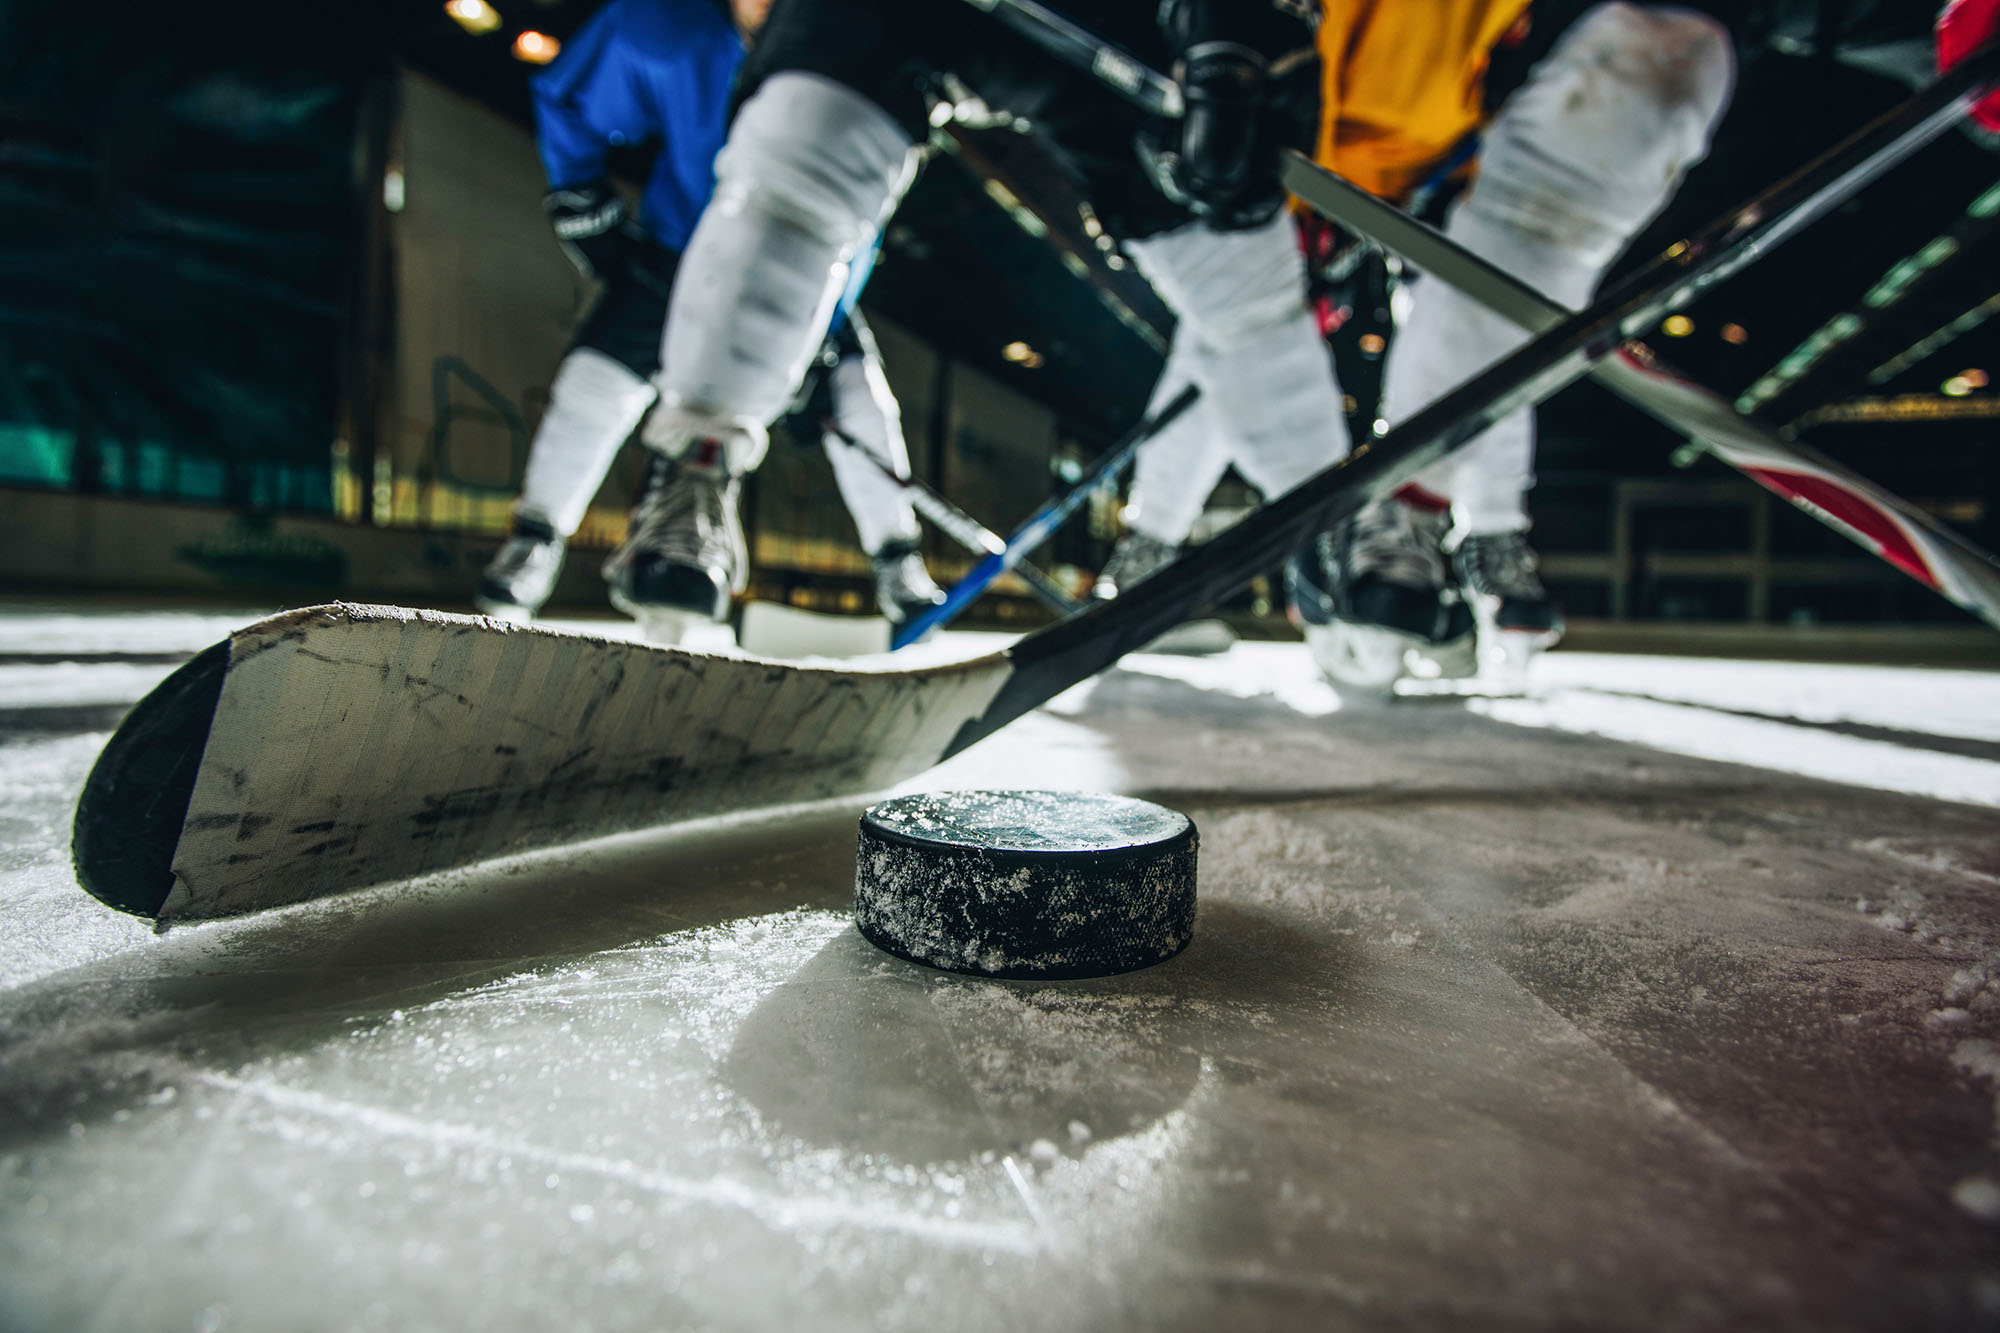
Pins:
x: 1246, y: 340
x: 1178, y: 468
x: 811, y: 168
x: 593, y: 405
x: 865, y: 408
x: 1577, y: 162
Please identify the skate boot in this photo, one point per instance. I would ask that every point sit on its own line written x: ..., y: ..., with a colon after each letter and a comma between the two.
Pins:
x: 522, y: 573
x: 684, y: 554
x: 903, y: 587
x: 1137, y: 555
x: 1517, y: 617
x: 1374, y: 599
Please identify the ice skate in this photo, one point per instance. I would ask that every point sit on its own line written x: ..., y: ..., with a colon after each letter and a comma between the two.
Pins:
x: 522, y: 574
x: 684, y: 555
x: 1375, y: 602
x: 904, y: 589
x: 1518, y: 620
x: 1137, y: 555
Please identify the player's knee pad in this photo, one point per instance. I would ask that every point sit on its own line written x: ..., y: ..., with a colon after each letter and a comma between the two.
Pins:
x: 810, y: 170
x: 1596, y: 141
x: 815, y: 154
x: 1225, y: 285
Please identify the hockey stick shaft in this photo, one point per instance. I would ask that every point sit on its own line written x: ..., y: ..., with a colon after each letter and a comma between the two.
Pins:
x: 1145, y: 88
x: 1042, y: 524
x: 1886, y: 525
x: 954, y: 522
x: 1051, y: 660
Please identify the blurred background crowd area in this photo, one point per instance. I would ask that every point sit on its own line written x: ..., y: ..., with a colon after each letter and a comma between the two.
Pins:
x: 279, y: 308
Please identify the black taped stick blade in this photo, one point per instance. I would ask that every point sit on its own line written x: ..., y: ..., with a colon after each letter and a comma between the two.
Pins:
x: 129, y: 818
x: 1026, y: 884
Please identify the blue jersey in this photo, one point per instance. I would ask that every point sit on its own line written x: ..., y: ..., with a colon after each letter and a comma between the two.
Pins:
x: 639, y: 71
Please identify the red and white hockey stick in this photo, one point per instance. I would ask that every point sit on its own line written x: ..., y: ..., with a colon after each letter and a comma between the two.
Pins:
x: 1892, y: 528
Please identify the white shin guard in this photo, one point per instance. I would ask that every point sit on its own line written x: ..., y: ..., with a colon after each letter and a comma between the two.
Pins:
x: 1252, y: 346
x: 1178, y: 468
x: 864, y: 407
x: 1577, y: 162
x: 811, y: 168
x: 594, y: 403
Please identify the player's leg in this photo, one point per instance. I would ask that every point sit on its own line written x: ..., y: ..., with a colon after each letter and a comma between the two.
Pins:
x: 600, y: 391
x: 865, y: 409
x: 1171, y: 480
x: 813, y: 165
x: 1589, y: 150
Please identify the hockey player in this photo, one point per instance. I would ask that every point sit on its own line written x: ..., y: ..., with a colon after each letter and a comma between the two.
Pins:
x: 661, y: 70
x: 823, y: 147
x: 1577, y: 161
x: 1580, y: 158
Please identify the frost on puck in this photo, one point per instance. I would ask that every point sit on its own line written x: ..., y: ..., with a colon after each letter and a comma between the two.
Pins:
x: 1041, y: 884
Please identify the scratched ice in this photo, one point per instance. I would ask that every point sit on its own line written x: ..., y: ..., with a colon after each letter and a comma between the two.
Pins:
x: 1492, y: 1018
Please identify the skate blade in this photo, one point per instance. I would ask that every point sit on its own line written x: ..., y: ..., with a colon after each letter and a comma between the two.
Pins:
x: 1455, y: 660
x: 511, y: 612
x: 1196, y: 638
x: 1364, y: 660
x: 1507, y: 656
x: 665, y: 627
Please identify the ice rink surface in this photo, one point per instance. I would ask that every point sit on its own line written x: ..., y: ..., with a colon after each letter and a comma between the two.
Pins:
x: 1664, y: 996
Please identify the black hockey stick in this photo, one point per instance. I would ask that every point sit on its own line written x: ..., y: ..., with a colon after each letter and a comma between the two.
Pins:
x: 1145, y: 88
x: 1051, y: 660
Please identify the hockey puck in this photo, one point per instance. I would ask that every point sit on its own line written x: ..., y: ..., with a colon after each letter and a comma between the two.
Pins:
x: 1030, y: 884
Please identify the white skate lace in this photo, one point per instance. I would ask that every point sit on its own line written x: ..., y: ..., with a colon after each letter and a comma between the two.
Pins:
x: 1400, y: 544
x: 684, y: 518
x: 1501, y: 564
x: 1136, y: 556
x: 905, y: 578
x: 518, y: 554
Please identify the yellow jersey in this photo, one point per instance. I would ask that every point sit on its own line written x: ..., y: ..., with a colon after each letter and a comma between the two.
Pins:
x: 1402, y: 84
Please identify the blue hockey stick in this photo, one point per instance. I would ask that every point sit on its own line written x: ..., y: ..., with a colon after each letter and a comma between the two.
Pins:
x: 1042, y: 524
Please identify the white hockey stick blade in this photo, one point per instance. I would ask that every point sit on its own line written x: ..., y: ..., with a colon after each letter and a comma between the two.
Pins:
x: 340, y: 746
x: 1892, y: 528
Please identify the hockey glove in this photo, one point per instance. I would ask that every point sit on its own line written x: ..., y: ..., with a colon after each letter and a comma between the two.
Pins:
x: 1243, y: 106
x: 589, y: 222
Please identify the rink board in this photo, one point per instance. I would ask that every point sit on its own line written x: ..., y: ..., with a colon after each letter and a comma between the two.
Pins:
x: 339, y: 746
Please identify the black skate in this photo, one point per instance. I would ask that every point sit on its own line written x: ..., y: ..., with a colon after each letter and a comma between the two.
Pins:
x: 684, y: 556
x: 522, y: 574
x: 1135, y: 557
x: 903, y: 587
x: 1374, y: 599
x: 1517, y: 616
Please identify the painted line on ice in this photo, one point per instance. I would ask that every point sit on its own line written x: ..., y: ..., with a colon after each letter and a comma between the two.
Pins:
x: 781, y: 1213
x: 1704, y: 733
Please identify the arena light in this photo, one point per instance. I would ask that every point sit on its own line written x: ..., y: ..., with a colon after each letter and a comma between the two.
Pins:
x: 1677, y: 326
x: 475, y: 16
x: 1956, y: 387
x: 1975, y: 377
x: 1735, y: 334
x: 536, y: 48
x: 1021, y: 355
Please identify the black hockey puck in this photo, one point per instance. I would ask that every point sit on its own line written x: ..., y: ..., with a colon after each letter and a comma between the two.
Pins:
x: 1033, y: 884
